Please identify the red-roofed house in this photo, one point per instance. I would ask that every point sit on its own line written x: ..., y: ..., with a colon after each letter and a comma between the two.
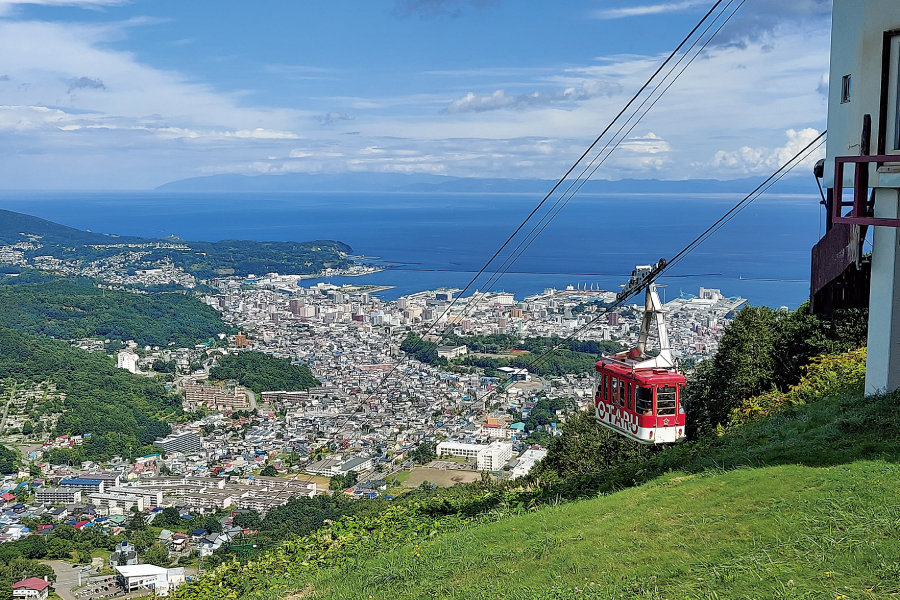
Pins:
x: 8, y: 497
x: 81, y: 524
x: 31, y: 588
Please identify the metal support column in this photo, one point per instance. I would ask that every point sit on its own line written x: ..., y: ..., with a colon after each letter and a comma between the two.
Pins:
x: 883, y: 361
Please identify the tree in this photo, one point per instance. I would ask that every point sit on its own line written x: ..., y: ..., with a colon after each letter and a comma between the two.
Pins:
x: 33, y: 546
x: 583, y: 447
x: 27, y: 428
x: 137, y: 522
x: 212, y: 524
x: 248, y: 520
x: 169, y: 517
x: 58, y: 547
x: 424, y: 453
x: 342, y: 482
x: 760, y: 350
x: 157, y: 554
x: 269, y: 471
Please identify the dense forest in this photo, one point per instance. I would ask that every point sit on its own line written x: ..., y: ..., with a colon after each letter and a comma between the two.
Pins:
x: 574, y: 356
x: 202, y: 259
x: 261, y: 372
x: 121, y: 413
x: 61, y: 308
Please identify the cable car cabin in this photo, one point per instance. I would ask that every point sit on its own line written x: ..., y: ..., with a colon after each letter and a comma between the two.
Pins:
x: 643, y: 404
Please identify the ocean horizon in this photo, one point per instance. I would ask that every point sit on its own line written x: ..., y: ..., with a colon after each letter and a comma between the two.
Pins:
x: 431, y: 240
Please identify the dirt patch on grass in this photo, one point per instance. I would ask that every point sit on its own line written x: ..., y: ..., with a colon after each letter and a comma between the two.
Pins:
x: 439, y: 477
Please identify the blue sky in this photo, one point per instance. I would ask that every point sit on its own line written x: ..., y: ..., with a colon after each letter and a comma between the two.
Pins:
x: 116, y: 94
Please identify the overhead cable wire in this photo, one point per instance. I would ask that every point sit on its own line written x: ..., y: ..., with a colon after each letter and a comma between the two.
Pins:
x: 581, y: 181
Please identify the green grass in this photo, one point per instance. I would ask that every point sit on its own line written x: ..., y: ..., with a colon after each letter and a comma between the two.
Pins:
x: 778, y: 532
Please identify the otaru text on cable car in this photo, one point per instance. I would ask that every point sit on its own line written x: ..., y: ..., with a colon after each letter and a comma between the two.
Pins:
x: 637, y: 395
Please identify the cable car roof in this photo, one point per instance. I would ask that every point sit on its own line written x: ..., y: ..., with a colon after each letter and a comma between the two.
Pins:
x: 644, y: 376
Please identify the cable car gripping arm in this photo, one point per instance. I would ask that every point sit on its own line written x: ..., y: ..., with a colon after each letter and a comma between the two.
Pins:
x: 644, y: 277
x: 641, y: 277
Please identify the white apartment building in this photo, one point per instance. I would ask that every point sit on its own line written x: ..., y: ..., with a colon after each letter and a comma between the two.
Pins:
x: 60, y: 495
x: 489, y: 457
x: 128, y: 360
x: 526, y: 462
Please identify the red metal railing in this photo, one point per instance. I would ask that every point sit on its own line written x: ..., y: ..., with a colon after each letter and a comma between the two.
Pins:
x: 858, y: 213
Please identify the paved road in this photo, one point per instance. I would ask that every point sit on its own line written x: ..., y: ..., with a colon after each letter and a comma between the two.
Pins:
x: 66, y: 578
x: 6, y: 411
x: 252, y: 397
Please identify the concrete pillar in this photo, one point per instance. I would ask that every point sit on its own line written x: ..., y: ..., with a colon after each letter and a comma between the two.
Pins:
x: 883, y: 361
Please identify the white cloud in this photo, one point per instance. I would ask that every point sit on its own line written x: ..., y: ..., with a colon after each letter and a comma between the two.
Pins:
x: 765, y: 160
x: 500, y: 99
x: 647, y: 9
x: 647, y: 144
x: 146, y: 126
x: 242, y: 134
x: 54, y: 59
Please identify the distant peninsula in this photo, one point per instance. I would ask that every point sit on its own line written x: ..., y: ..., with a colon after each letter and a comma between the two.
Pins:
x: 28, y: 241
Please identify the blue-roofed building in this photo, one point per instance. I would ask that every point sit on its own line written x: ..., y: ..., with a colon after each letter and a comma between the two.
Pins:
x: 96, y: 486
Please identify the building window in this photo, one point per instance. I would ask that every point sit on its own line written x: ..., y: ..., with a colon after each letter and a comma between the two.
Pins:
x: 845, y: 89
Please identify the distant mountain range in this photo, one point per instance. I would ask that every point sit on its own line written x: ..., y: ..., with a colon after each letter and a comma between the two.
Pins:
x: 391, y: 182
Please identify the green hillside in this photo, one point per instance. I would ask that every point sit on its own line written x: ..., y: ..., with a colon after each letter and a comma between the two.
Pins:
x: 777, y: 532
x: 263, y: 372
x: 120, y: 412
x: 74, y: 309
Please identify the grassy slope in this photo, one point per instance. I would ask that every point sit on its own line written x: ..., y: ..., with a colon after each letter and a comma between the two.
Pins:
x: 789, y: 531
x: 822, y: 523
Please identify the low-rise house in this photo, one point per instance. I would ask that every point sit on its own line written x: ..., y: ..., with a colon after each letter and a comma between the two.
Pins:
x: 32, y: 588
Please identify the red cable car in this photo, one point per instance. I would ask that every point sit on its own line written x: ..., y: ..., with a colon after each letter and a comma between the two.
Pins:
x: 637, y: 395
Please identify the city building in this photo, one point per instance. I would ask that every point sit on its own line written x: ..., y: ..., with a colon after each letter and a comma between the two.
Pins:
x: 125, y: 554
x: 451, y: 352
x: 526, y: 462
x: 185, y: 442
x: 149, y: 577
x: 488, y: 457
x: 60, y: 495
x: 214, y: 397
x: 91, y: 486
x: 128, y: 360
x: 514, y: 374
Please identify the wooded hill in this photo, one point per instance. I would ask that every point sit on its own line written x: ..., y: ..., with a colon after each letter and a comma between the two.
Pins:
x: 121, y: 413
x: 202, y: 259
x: 63, y: 308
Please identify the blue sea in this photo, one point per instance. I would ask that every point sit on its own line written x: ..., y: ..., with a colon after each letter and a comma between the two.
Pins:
x: 434, y: 240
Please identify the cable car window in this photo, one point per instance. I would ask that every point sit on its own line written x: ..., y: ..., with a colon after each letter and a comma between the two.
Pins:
x: 613, y: 389
x: 622, y: 394
x: 665, y: 401
x: 643, y: 401
x: 629, y: 397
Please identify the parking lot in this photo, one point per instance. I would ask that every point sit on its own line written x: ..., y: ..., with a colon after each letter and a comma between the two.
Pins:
x: 100, y: 587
